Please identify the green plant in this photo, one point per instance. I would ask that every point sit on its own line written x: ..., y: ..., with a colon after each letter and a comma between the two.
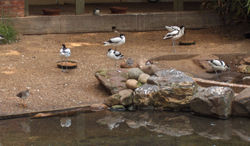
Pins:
x: 7, y: 30
x: 230, y: 10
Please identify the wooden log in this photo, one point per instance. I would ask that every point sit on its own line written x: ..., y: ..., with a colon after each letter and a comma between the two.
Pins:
x: 210, y: 82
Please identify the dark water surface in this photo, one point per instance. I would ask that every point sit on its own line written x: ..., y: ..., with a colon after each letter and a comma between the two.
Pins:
x: 125, y: 128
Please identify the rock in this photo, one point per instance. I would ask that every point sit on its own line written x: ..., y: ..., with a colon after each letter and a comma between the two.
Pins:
x: 112, y: 100
x: 244, y: 69
x: 144, y: 95
x: 134, y: 73
x: 168, y: 89
x: 98, y: 107
x: 213, y: 101
x: 247, y: 60
x: 143, y: 78
x: 241, y: 103
x: 132, y: 84
x: 112, y: 80
x: 150, y: 69
x: 117, y: 108
x: 246, y: 80
x: 126, y: 97
x: 129, y: 63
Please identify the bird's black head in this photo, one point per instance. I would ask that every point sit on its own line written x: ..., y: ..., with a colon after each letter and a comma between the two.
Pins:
x: 109, y: 49
x: 63, y: 45
x: 181, y: 26
x: 122, y: 35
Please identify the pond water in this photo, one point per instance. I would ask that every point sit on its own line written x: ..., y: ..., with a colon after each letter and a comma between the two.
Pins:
x: 125, y: 128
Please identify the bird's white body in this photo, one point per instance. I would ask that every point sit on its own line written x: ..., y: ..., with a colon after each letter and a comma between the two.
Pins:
x: 218, y: 65
x: 113, y: 54
x: 116, y: 41
x: 65, y: 51
x: 1, y: 37
x: 175, y: 32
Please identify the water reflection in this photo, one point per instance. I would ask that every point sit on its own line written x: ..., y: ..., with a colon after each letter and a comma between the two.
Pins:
x: 108, y: 128
x: 65, y: 122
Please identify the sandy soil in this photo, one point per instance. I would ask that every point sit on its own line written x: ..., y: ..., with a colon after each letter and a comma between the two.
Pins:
x: 31, y: 62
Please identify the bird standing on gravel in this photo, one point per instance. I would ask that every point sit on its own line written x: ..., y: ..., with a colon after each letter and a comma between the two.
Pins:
x: 218, y: 65
x: 116, y: 55
x: 64, y: 51
x: 23, y: 95
x: 116, y: 41
x: 175, y: 33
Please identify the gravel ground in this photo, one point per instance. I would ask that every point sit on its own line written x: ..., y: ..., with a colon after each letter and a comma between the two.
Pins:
x: 31, y: 62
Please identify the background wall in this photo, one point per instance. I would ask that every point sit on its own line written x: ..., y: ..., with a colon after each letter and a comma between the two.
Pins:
x: 46, y: 2
x: 12, y: 8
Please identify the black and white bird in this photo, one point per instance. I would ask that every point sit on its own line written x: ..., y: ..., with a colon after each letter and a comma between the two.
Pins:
x: 64, y: 51
x: 149, y: 62
x: 115, y: 55
x: 174, y: 33
x: 116, y: 41
x: 1, y: 37
x: 23, y: 95
x: 218, y: 65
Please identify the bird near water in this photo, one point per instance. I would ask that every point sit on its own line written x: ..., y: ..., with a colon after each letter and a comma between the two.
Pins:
x: 218, y: 65
x: 23, y: 95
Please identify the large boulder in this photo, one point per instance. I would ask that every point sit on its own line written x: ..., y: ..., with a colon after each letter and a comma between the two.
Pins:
x: 124, y: 97
x: 134, y: 73
x: 168, y: 89
x: 241, y: 103
x: 112, y: 80
x: 213, y: 101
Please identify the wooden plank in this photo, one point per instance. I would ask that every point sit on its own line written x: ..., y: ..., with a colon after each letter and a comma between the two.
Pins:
x: 178, y: 5
x: 80, y: 6
x: 221, y: 83
x: 26, y: 7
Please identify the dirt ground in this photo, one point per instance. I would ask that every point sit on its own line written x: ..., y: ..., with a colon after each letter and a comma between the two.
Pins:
x: 31, y: 62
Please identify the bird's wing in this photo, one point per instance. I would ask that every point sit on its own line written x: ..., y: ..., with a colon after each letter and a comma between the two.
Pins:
x: 172, y: 34
x: 67, y: 51
x: 117, y: 53
x: 61, y: 50
x: 172, y: 28
x: 217, y: 62
x: 115, y: 40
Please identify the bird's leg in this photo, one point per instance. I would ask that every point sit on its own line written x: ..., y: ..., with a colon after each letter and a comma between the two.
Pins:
x: 23, y: 104
x: 117, y: 66
x: 174, y: 45
x: 66, y: 64
x: 63, y: 64
x: 217, y: 75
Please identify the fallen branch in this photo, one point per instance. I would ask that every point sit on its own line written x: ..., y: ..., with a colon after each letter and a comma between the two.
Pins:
x: 221, y: 83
